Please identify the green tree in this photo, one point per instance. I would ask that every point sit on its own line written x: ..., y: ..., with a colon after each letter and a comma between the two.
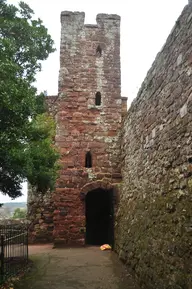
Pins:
x: 26, y: 130
x: 19, y: 213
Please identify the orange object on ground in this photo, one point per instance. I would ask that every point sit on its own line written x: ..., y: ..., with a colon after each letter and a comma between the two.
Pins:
x: 105, y: 247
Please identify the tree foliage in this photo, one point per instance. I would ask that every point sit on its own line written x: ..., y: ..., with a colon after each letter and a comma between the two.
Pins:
x: 26, y: 130
x: 19, y: 213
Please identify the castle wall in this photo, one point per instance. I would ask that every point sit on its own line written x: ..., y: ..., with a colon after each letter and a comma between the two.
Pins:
x: 40, y: 213
x: 89, y: 63
x: 154, y: 219
x: 41, y: 206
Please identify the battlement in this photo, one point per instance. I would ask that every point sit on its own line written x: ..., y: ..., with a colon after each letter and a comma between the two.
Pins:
x: 107, y: 17
x: 79, y: 18
x: 68, y: 16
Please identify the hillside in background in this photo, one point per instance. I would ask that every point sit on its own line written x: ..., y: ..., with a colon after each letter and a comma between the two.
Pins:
x: 8, y: 209
x: 15, y: 205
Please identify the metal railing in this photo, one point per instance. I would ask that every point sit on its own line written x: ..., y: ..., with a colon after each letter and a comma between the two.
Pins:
x: 13, y: 251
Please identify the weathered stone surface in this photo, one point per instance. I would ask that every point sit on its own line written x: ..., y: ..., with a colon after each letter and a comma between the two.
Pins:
x: 89, y: 63
x: 40, y: 214
x: 82, y: 125
x: 154, y: 218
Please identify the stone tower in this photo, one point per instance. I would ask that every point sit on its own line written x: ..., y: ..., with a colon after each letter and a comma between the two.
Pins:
x: 89, y: 114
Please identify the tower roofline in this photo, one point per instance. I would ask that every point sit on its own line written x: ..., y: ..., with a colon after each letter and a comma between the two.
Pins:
x: 100, y: 18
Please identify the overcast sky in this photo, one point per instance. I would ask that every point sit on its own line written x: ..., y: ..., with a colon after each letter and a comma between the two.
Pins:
x: 145, y: 25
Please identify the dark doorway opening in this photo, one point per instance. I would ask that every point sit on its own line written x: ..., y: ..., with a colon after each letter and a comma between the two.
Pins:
x: 99, y: 217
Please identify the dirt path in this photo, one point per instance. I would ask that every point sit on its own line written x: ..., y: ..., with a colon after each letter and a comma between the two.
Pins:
x: 76, y: 268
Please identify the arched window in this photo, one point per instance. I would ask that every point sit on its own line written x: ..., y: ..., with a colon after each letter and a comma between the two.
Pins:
x: 99, y: 51
x: 98, y: 98
x: 88, y: 160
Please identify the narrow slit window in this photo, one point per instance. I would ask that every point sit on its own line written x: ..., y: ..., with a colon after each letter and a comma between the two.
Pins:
x: 98, y: 98
x: 190, y: 160
x: 88, y: 160
x: 99, y: 51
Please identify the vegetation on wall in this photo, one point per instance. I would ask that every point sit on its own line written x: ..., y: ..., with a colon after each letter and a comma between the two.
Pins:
x: 153, y: 228
x: 157, y: 241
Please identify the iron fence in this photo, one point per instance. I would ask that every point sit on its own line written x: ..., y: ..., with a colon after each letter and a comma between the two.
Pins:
x: 13, y: 251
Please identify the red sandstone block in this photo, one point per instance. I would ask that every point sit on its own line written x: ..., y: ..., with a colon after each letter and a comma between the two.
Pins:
x: 103, y: 175
x: 63, y: 144
x: 73, y: 94
x: 116, y: 175
x: 82, y: 99
x: 112, y: 133
x: 95, y: 144
x: 74, y: 230
x: 62, y: 113
x: 67, y: 191
x: 63, y: 150
x: 75, y: 132
x: 84, y: 93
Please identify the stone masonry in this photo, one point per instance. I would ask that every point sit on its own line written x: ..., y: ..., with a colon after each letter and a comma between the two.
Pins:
x: 154, y: 219
x: 88, y: 112
x: 150, y: 146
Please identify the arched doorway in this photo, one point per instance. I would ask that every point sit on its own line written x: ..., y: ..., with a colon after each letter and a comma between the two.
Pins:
x: 99, y: 217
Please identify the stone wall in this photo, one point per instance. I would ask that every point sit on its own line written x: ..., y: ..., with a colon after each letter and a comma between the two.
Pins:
x: 154, y: 220
x: 40, y: 214
x: 41, y: 206
x: 89, y: 66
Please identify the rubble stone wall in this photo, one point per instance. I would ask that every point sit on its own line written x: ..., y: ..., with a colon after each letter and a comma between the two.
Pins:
x: 89, y: 68
x: 89, y: 64
x: 154, y: 219
x: 40, y: 214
